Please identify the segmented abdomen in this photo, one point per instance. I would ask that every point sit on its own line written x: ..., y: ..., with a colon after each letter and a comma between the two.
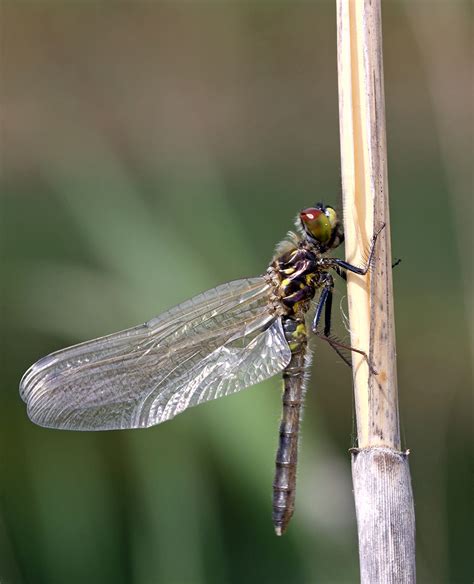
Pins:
x: 284, y: 485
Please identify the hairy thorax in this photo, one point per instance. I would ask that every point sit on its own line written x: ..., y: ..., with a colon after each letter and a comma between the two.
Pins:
x: 295, y: 273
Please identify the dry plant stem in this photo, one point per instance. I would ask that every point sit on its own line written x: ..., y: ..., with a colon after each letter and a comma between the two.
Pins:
x: 365, y: 191
x: 381, y: 477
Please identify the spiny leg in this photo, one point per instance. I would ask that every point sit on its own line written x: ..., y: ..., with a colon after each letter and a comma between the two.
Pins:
x: 325, y: 301
x: 328, y: 312
x: 335, y: 344
x: 324, y: 298
x: 341, y: 271
x: 336, y: 263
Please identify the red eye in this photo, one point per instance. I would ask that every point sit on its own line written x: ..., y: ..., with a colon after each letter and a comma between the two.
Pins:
x: 310, y: 214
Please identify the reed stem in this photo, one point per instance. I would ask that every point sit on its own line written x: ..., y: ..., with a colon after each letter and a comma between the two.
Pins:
x: 381, y: 476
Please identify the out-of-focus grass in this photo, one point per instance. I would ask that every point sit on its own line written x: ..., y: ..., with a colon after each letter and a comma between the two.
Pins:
x: 151, y: 152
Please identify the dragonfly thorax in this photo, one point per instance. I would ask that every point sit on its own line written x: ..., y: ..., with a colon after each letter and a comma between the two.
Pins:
x: 296, y: 275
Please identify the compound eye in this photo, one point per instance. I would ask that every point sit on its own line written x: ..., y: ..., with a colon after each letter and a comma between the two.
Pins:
x: 310, y: 215
x: 316, y: 223
x: 332, y: 216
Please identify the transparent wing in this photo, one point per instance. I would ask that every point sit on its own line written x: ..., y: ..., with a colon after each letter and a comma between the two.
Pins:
x: 215, y: 344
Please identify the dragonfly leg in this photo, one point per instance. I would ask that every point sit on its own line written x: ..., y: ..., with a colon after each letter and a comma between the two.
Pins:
x: 336, y: 345
x: 336, y: 263
x: 328, y: 312
x: 343, y: 274
x: 325, y: 300
x: 340, y: 272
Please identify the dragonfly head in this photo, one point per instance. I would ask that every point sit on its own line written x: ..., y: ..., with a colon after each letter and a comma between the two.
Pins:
x: 321, y: 225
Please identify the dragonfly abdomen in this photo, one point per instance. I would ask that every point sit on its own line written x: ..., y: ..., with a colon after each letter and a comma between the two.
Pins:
x: 284, y: 485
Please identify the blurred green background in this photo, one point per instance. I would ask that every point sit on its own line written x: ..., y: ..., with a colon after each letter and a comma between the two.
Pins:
x: 153, y: 150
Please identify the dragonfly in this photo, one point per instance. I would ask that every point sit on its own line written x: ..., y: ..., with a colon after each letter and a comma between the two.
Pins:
x: 218, y: 343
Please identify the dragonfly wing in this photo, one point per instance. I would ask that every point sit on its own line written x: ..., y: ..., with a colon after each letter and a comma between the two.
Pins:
x: 215, y: 344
